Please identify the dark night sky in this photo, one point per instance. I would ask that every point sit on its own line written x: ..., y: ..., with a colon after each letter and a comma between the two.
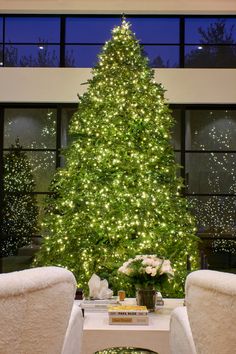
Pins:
x: 92, y: 30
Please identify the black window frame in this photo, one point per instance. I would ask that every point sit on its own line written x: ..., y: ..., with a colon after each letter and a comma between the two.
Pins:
x: 181, y: 44
x: 182, y: 108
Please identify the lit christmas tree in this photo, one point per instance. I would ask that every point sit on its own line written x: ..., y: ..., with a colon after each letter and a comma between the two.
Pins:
x: 118, y: 195
x: 19, y: 206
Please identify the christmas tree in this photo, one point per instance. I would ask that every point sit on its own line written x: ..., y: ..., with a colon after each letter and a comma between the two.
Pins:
x: 19, y: 205
x: 118, y: 195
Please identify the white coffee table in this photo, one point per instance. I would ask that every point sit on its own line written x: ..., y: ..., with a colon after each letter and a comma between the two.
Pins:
x: 99, y: 335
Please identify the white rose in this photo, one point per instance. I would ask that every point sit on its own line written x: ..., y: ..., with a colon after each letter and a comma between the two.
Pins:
x: 152, y: 262
x: 126, y: 264
x: 147, y: 261
x: 166, y: 268
x: 157, y: 262
x: 125, y: 268
x: 128, y: 271
x: 148, y: 270
x: 154, y: 272
x: 138, y: 257
x: 121, y: 269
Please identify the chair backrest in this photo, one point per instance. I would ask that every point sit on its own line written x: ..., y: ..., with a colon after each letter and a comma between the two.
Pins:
x: 211, y: 307
x: 35, y: 307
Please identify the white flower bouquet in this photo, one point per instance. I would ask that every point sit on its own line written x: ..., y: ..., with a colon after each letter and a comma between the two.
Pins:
x: 147, y: 271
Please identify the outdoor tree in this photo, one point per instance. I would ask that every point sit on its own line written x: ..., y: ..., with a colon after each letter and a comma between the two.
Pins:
x: 218, y: 47
x: 215, y: 215
x: 119, y: 195
x: 44, y: 57
x: 19, y: 205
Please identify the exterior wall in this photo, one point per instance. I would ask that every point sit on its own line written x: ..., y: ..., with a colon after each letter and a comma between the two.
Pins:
x: 119, y: 6
x: 63, y: 84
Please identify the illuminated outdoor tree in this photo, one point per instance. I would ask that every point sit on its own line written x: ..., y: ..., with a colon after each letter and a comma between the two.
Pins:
x: 218, y: 47
x: 119, y: 194
x: 215, y: 215
x: 19, y: 206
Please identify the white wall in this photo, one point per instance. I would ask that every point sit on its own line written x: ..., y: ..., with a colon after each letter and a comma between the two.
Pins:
x: 62, y: 85
x: 119, y: 6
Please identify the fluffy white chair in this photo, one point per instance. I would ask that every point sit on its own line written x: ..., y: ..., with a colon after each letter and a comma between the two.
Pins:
x: 37, y: 315
x: 181, y: 339
x: 206, y: 325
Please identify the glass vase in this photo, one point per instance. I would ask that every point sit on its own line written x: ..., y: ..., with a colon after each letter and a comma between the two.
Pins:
x: 146, y: 297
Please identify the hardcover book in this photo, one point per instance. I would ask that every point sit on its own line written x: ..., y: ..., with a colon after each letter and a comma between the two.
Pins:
x: 127, y: 310
x: 90, y: 305
x: 128, y: 320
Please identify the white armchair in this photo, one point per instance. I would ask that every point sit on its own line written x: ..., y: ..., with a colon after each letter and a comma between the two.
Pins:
x: 206, y: 325
x: 37, y: 312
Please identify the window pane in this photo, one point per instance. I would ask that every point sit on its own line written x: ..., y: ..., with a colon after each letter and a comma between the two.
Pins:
x: 178, y: 161
x: 211, y: 130
x: 89, y: 29
x: 177, y: 157
x: 32, y: 29
x: 83, y: 56
x: 1, y: 29
x: 18, y: 253
x: 211, y: 172
x: 66, y: 139
x: 19, y: 261
x: 210, y: 30
x: 223, y: 256
x: 32, y: 55
x: 210, y: 56
x: 176, y: 131
x: 67, y: 114
x: 42, y: 204
x: 162, y: 56
x: 1, y: 55
x: 155, y: 30
x: 98, y: 30
x: 215, y: 215
x: 43, y: 164
x: 43, y: 168
x: 35, y: 127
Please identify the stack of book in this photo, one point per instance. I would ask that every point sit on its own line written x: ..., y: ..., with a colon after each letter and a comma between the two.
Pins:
x: 98, y: 305
x: 128, y: 315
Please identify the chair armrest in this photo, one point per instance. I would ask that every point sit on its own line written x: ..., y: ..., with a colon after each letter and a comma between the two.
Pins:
x: 73, y: 339
x: 181, y: 340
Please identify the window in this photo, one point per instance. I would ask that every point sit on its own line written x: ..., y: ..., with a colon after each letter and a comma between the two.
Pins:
x: 76, y: 41
x: 176, y: 136
x: 160, y: 39
x: 29, y: 156
x: 205, y: 145
x: 81, y: 55
x: 210, y: 166
x: 88, y: 30
x: 161, y: 56
x: 210, y: 42
x: 32, y: 41
x: 85, y: 37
